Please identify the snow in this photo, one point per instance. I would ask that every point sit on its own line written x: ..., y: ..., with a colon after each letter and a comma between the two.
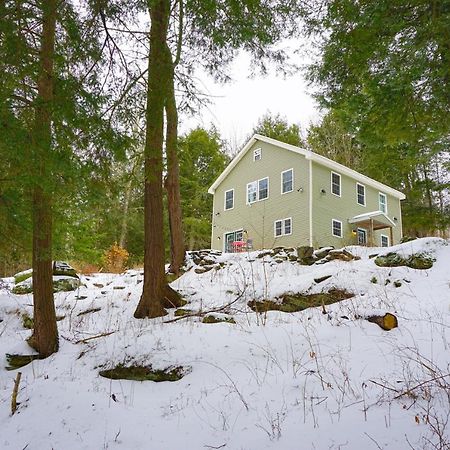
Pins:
x: 272, y: 381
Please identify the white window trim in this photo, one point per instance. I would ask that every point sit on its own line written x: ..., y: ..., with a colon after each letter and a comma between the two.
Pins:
x: 285, y: 171
x: 260, y: 154
x: 257, y: 191
x: 283, y: 227
x: 381, y: 240
x: 385, y: 202
x: 225, y: 200
x: 361, y: 204
x: 332, y: 228
x: 340, y: 183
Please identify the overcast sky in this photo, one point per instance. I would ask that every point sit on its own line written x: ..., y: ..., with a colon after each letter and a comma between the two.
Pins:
x: 237, y: 106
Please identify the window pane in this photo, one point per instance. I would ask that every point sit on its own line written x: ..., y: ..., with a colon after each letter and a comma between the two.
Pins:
x: 229, y: 199
x: 337, y: 228
x: 263, y: 188
x: 361, y: 194
x: 257, y: 154
x: 384, y: 241
x: 382, y: 203
x: 287, y: 226
x: 287, y: 181
x: 335, y: 184
x: 278, y: 228
x: 251, y: 192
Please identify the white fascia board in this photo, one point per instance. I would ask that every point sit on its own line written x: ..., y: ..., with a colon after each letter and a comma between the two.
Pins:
x: 322, y: 160
x: 371, y: 215
x: 232, y: 164
x: 247, y: 146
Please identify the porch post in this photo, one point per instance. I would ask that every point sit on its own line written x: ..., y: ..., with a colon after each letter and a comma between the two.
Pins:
x: 391, y: 236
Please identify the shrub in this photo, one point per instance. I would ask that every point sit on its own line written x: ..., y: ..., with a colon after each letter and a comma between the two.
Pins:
x: 115, y: 259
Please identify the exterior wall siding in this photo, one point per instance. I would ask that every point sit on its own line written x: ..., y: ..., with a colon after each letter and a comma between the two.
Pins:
x: 258, y: 218
x: 327, y: 206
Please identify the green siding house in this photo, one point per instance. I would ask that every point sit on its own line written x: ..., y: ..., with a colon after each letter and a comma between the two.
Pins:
x: 275, y: 194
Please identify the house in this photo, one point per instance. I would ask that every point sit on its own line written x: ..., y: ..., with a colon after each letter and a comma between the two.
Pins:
x: 275, y: 194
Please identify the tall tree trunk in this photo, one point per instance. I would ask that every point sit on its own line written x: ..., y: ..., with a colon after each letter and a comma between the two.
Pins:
x: 151, y: 301
x: 177, y: 251
x: 45, y: 335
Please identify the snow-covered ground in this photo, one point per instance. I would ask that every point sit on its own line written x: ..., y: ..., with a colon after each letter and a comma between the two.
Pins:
x: 304, y: 380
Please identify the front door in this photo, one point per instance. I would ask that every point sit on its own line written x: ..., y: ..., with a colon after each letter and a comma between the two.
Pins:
x: 362, y: 236
x: 230, y: 238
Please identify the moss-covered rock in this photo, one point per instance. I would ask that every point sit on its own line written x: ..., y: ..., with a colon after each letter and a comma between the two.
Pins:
x: 27, y: 321
x: 182, y: 312
x: 299, y: 302
x: 213, y: 319
x: 144, y: 373
x: 416, y: 261
x: 17, y: 361
x: 22, y: 288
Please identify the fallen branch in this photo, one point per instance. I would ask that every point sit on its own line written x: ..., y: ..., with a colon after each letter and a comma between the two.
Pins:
x: 83, y: 341
x: 15, y: 392
x: 203, y: 313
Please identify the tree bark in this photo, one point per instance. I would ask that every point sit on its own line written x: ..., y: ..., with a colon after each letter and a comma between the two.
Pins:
x: 151, y: 301
x: 45, y: 335
x: 177, y: 250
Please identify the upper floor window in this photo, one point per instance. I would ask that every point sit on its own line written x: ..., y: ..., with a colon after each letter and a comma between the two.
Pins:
x: 257, y: 154
x: 336, y: 184
x: 283, y: 227
x: 336, y: 228
x: 382, y: 203
x: 361, y: 194
x: 287, y: 181
x: 258, y: 190
x: 229, y: 199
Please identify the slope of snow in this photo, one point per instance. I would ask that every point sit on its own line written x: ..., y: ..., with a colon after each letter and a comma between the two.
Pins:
x: 305, y: 380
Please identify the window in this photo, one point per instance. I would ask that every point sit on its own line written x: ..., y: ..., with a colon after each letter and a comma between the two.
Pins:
x: 287, y: 181
x: 257, y: 154
x: 336, y: 184
x: 229, y: 199
x: 362, y: 236
x: 382, y: 203
x: 252, y: 192
x: 257, y: 190
x: 384, y: 240
x: 361, y: 194
x: 336, y: 228
x: 283, y: 227
x: 263, y: 189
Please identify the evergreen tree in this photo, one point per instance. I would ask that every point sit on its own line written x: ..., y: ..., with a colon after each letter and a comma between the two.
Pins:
x: 384, y: 69
x: 277, y: 127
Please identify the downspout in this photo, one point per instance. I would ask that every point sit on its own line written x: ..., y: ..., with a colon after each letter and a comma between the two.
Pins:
x: 310, y: 203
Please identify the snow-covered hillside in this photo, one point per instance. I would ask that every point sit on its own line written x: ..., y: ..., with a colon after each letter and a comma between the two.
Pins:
x: 322, y: 378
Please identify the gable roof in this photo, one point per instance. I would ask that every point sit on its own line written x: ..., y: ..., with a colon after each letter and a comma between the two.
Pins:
x: 308, y: 154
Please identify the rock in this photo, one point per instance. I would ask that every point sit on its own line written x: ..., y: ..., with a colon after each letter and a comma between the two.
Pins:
x: 416, y: 261
x: 213, y: 319
x: 98, y: 285
x: 322, y: 252
x: 304, y: 252
x: 320, y: 279
x: 386, y: 322
x: 397, y: 283
x: 63, y: 268
x: 65, y: 284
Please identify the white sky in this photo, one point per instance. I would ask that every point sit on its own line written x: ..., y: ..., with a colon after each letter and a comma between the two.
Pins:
x: 236, y: 107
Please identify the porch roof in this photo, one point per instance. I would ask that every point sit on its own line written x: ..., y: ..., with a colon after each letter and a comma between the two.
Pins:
x: 377, y: 220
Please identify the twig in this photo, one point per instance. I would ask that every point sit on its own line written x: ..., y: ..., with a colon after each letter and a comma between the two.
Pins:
x: 384, y: 386
x: 83, y: 341
x: 202, y: 313
x: 14, y: 393
x: 408, y: 391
